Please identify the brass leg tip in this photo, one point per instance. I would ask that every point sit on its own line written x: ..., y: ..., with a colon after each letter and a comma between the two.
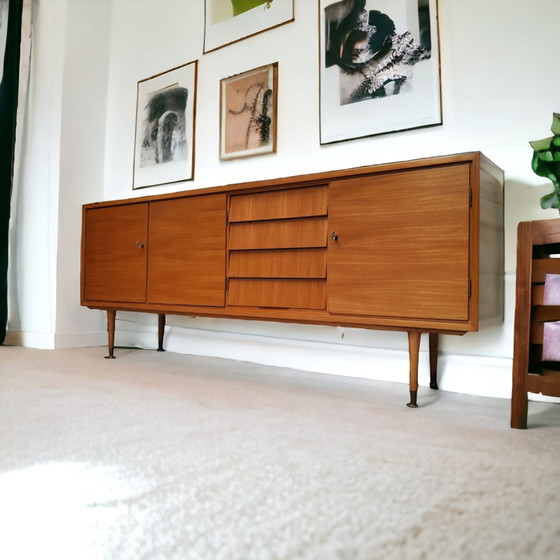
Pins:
x: 412, y: 403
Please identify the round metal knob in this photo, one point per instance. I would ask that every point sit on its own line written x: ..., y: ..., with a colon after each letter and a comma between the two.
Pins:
x: 139, y: 244
x: 334, y: 236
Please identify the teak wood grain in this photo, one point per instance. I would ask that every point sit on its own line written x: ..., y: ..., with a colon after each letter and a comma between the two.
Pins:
x: 279, y: 234
x: 405, y: 251
x: 114, y: 254
x: 186, y: 251
x: 399, y: 246
x: 310, y: 201
x: 287, y: 293
x: 278, y: 263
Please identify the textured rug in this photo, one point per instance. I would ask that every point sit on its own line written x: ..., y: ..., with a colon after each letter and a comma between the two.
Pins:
x: 165, y: 456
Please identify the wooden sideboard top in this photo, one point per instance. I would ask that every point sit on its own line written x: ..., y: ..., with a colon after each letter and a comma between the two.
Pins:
x: 477, y: 158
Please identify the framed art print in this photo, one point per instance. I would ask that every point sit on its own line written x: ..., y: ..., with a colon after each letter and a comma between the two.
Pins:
x: 248, y: 108
x: 379, y: 67
x: 228, y: 21
x: 165, y: 127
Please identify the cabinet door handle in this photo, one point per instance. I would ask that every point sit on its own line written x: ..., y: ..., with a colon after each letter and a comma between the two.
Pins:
x: 334, y: 236
x: 139, y: 244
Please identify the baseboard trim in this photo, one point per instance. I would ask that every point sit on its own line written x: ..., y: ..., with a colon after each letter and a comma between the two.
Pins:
x: 44, y: 341
x: 474, y: 375
x: 50, y: 341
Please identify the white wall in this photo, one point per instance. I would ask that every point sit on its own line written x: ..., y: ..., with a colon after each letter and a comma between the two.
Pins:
x: 82, y: 149
x: 499, y: 62
x: 62, y: 168
x: 34, y: 226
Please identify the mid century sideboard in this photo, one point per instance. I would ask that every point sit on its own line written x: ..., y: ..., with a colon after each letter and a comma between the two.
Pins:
x: 414, y: 246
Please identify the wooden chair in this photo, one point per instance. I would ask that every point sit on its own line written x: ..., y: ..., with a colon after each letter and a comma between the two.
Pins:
x: 537, y: 242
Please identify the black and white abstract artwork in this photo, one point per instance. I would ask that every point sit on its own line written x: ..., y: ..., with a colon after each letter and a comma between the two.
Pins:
x: 164, y: 148
x: 379, y: 67
x: 163, y: 132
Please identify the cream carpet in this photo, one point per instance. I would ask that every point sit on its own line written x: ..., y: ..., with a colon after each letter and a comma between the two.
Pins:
x: 166, y: 456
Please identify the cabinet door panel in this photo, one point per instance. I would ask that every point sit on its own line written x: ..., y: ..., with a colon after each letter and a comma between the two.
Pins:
x: 187, y: 251
x: 403, y: 244
x: 115, y: 253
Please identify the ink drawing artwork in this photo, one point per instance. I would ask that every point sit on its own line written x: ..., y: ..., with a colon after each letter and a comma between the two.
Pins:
x: 379, y: 67
x: 248, y: 113
x: 164, y: 151
x: 163, y: 132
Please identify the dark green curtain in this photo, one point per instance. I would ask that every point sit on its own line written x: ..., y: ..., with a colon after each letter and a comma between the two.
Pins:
x: 8, y: 108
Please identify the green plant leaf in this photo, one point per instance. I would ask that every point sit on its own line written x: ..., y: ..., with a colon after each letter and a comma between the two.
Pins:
x: 535, y: 163
x: 544, y: 166
x: 546, y: 162
x: 555, y: 124
x: 545, y: 155
x: 543, y: 144
x: 550, y: 201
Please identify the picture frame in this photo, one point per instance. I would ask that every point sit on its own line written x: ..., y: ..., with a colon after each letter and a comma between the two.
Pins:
x: 165, y: 127
x: 229, y: 21
x: 248, y: 113
x: 379, y: 69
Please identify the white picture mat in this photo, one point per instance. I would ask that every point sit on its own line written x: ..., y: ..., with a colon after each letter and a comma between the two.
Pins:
x: 418, y: 104
x: 246, y: 24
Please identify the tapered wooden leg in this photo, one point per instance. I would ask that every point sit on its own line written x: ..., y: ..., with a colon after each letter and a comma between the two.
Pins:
x: 519, y: 397
x: 161, y: 332
x: 434, y: 347
x: 111, y: 319
x: 522, y: 325
x: 519, y: 409
x: 413, y: 353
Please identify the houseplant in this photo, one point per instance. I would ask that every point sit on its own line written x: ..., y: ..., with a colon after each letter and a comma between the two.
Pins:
x: 546, y: 162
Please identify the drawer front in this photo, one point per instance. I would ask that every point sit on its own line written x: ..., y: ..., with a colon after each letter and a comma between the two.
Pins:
x: 281, y: 234
x: 289, y: 293
x: 292, y: 203
x: 292, y: 263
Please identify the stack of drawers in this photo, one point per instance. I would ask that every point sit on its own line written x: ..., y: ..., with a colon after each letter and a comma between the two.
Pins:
x: 277, y: 249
